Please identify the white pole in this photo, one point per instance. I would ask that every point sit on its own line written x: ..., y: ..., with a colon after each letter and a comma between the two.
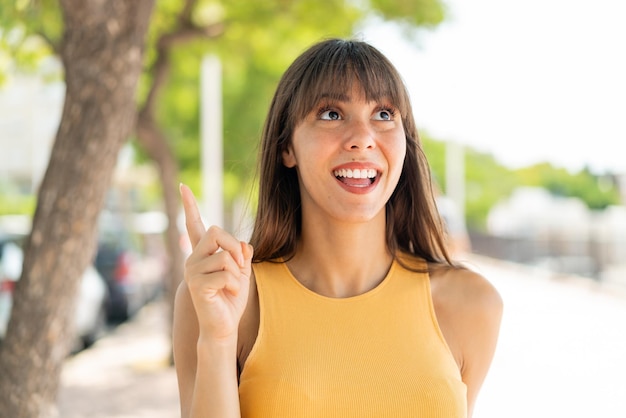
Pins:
x: 455, y: 176
x: 211, y: 163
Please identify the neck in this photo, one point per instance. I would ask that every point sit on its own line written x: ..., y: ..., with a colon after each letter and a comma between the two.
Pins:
x: 342, y: 260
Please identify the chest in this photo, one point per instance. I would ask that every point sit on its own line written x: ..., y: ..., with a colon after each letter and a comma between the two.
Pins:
x: 374, y: 357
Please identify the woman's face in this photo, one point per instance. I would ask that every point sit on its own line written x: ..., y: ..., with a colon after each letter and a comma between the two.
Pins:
x: 348, y: 153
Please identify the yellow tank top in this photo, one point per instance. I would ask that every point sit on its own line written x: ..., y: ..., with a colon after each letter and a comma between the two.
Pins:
x: 378, y: 354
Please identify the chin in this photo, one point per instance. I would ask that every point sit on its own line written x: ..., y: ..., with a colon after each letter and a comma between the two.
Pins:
x: 359, y: 217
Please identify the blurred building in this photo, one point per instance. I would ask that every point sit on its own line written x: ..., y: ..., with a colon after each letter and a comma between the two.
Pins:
x: 30, y: 111
x: 534, y: 212
x: 563, y: 234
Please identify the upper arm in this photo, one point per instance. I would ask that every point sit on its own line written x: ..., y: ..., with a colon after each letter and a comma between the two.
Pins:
x: 184, y: 339
x: 469, y: 310
x: 481, y: 313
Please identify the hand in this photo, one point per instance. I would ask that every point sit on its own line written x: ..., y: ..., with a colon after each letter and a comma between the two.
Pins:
x: 217, y: 273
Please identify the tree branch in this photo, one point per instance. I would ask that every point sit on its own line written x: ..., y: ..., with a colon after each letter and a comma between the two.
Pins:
x: 53, y: 45
x: 160, y: 72
x: 187, y: 31
x: 190, y: 32
x: 184, y: 18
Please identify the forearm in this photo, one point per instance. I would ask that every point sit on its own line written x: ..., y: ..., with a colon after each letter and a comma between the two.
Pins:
x: 216, y: 391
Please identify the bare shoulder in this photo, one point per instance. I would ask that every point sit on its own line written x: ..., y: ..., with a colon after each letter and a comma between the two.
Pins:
x: 464, y: 290
x: 469, y: 310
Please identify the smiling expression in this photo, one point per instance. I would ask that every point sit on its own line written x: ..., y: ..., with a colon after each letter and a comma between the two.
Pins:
x: 348, y: 153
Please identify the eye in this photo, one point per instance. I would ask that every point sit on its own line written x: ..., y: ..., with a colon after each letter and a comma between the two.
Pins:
x: 384, y: 114
x: 329, y: 114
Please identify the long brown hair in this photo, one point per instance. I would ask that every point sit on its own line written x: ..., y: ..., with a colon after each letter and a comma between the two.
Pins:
x: 413, y: 224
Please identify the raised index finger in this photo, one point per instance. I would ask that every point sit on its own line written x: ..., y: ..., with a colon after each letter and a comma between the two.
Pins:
x: 193, y: 220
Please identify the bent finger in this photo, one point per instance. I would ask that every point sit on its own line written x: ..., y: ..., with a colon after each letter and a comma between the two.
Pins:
x: 220, y: 261
x: 247, y: 252
x: 215, y: 239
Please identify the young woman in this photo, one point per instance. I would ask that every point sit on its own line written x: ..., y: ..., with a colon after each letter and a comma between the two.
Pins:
x: 346, y: 303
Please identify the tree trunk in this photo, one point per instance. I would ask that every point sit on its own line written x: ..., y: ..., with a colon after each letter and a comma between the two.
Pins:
x: 102, y: 51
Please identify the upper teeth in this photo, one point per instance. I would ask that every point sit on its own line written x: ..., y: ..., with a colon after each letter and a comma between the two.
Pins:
x: 356, y: 174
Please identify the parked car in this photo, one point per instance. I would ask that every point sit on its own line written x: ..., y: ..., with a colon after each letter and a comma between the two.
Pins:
x: 90, y: 315
x: 133, y: 274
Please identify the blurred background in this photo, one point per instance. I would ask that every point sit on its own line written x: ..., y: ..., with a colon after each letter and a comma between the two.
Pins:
x: 520, y: 107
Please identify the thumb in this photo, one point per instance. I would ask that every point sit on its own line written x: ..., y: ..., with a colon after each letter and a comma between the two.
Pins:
x: 248, y: 252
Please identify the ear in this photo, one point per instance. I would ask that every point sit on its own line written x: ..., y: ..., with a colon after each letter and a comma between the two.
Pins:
x: 289, y: 157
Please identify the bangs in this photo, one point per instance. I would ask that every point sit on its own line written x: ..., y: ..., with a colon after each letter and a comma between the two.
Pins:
x: 332, y: 72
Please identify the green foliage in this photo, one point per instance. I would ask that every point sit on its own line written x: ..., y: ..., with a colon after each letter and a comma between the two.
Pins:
x: 17, y: 204
x: 38, y: 17
x: 413, y: 13
x: 488, y: 182
x: 435, y: 152
x: 596, y: 191
x: 28, y: 31
x: 259, y: 41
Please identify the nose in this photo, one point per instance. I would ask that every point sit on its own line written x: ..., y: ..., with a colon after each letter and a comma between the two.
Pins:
x: 360, y: 136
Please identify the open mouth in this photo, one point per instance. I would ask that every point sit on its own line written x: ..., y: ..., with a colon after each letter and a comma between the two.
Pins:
x: 356, y: 177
